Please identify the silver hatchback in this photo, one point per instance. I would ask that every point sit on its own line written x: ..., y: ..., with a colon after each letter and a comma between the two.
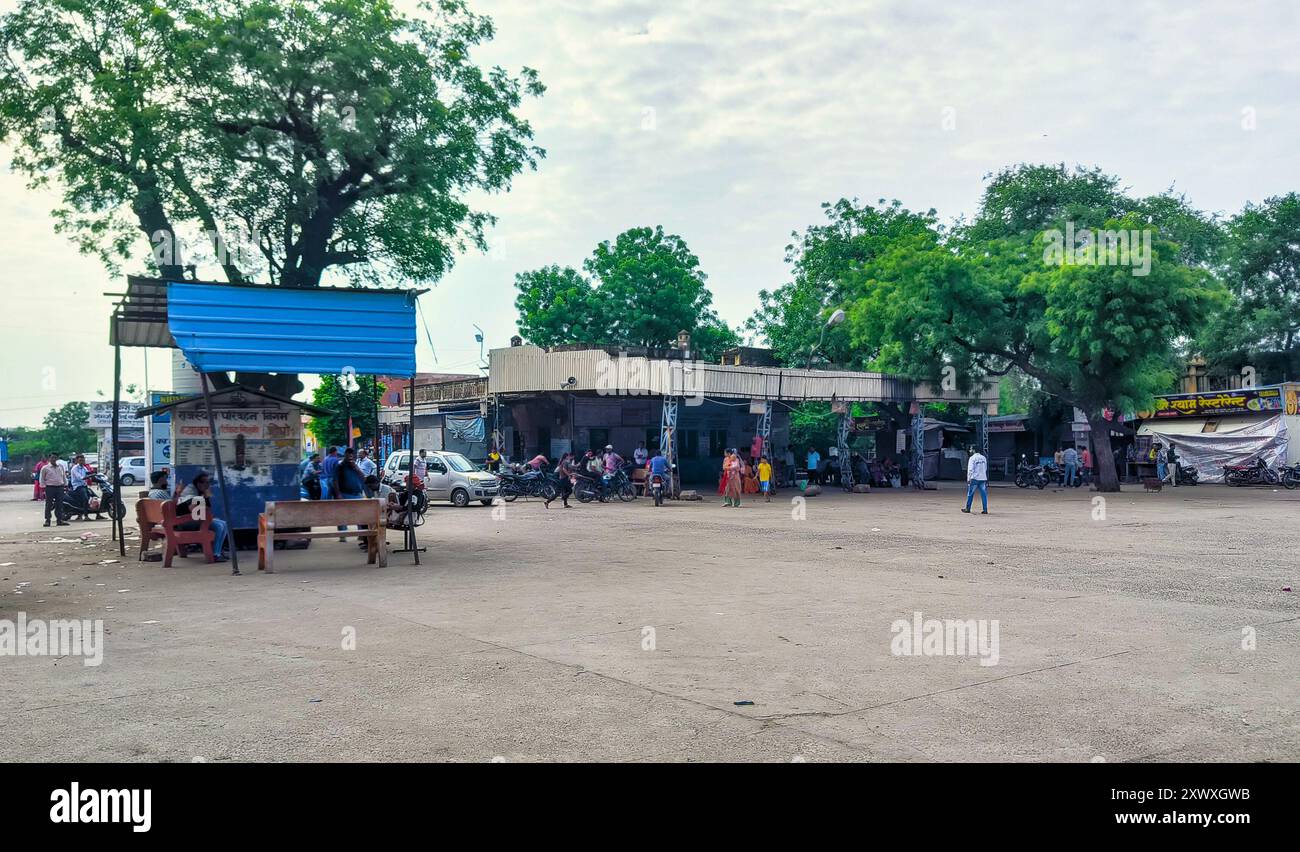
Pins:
x: 448, y: 476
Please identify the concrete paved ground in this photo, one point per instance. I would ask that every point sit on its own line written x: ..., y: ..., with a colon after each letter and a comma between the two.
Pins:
x: 522, y: 636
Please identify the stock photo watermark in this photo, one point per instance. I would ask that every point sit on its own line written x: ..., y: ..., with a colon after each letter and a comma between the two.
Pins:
x: 947, y: 637
x: 36, y: 637
x: 1093, y: 247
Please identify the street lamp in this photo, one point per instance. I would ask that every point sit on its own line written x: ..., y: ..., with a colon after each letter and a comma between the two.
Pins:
x: 834, y: 320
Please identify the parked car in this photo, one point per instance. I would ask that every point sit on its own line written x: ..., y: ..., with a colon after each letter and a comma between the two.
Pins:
x: 451, y: 476
x: 132, y: 470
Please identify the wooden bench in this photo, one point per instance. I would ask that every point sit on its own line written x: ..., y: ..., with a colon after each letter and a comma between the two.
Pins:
x: 305, y: 514
x: 179, y: 540
x: 149, y: 517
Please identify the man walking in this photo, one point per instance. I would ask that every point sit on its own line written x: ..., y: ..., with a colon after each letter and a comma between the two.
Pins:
x: 977, y: 479
x: 54, y: 482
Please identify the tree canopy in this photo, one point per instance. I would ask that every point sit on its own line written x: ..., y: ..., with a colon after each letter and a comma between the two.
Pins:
x: 640, y: 289
x: 295, y: 136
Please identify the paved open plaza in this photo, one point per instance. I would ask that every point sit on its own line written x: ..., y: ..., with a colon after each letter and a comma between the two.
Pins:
x: 1148, y: 627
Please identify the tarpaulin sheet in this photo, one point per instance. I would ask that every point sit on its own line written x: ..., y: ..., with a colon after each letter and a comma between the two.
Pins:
x: 1209, y: 452
x: 469, y: 429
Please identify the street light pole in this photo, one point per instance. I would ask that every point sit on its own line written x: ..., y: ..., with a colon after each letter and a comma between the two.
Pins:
x: 834, y: 320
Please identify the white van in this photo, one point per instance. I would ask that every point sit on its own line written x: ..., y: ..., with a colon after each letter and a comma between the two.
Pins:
x: 451, y: 476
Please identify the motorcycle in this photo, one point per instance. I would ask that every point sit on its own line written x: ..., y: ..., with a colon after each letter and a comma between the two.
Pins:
x: 656, y: 486
x: 1188, y: 475
x: 103, y: 501
x: 513, y: 484
x: 1031, y: 474
x: 1255, y: 472
x: 1290, y: 476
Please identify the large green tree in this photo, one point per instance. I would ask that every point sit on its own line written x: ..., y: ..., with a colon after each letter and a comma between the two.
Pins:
x: 324, y: 134
x: 64, y: 429
x: 1099, y: 336
x: 344, y: 397
x: 640, y: 289
x: 293, y: 140
x: 1260, y: 257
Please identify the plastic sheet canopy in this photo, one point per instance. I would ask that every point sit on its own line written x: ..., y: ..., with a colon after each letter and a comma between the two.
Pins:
x: 1209, y: 452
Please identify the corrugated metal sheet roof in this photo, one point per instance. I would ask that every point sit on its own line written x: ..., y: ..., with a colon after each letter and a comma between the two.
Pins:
x: 293, y: 330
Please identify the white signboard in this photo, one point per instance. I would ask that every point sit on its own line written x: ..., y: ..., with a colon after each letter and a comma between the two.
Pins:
x: 101, y: 415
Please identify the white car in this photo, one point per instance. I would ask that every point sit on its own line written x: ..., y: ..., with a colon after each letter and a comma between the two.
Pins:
x: 132, y: 470
x: 451, y: 476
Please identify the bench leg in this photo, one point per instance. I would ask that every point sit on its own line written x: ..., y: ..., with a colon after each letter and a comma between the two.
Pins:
x: 269, y: 552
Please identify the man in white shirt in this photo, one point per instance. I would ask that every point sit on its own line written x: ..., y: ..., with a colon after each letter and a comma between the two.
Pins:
x: 977, y: 479
x: 365, y: 462
x: 420, y: 465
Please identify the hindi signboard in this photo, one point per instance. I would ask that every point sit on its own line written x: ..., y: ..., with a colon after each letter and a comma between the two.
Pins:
x: 1217, y: 403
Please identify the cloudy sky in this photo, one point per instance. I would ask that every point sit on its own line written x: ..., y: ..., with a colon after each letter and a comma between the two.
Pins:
x: 730, y: 122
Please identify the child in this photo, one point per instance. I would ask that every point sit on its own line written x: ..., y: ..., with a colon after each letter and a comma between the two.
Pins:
x: 765, y: 479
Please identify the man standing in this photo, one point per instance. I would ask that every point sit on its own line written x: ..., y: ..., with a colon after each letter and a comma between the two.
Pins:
x: 328, y: 469
x: 1171, y: 462
x: 977, y: 479
x: 787, y: 475
x: 420, y: 465
x: 1071, y: 459
x: 54, y: 482
x: 814, y: 460
x: 365, y: 462
x: 1085, y: 462
x: 77, y: 481
x: 640, y: 455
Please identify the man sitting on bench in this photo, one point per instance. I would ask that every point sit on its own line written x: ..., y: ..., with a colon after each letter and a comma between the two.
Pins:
x: 199, y: 492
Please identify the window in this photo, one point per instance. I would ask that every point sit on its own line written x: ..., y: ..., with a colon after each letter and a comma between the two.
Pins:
x: 690, y: 440
x: 717, y: 442
x: 459, y: 463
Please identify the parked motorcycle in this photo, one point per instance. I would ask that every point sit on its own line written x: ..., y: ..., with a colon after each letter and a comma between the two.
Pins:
x: 513, y: 484
x: 1255, y: 472
x: 1290, y: 476
x: 1031, y: 474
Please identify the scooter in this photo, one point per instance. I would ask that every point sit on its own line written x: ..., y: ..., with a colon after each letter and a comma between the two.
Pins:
x: 103, y: 501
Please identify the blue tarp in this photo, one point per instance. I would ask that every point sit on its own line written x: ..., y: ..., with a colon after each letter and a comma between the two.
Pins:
x: 322, y: 330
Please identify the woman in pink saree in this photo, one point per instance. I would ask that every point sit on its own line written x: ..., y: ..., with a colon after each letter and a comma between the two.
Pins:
x: 731, y: 470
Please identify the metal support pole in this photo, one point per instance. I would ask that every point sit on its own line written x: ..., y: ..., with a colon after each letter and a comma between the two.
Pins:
x: 409, y: 539
x: 374, y: 393
x: 667, y: 440
x: 118, y: 529
x: 918, y: 449
x: 221, y: 473
x: 842, y: 436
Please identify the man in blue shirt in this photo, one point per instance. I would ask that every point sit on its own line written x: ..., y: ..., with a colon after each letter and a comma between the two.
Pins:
x: 814, y: 461
x: 328, y: 470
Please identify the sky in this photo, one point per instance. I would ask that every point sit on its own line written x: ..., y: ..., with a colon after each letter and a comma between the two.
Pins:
x: 729, y: 123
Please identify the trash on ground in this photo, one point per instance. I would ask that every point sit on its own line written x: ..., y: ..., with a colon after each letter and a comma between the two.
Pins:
x: 743, y: 703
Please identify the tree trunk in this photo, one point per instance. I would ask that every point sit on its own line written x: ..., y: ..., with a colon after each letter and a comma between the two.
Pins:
x: 1103, y: 457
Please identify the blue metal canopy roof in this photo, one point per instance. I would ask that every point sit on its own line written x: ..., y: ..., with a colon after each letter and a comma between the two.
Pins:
x: 321, y: 330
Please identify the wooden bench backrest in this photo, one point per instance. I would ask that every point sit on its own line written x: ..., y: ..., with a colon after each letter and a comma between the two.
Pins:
x: 324, y: 513
x: 149, y: 511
